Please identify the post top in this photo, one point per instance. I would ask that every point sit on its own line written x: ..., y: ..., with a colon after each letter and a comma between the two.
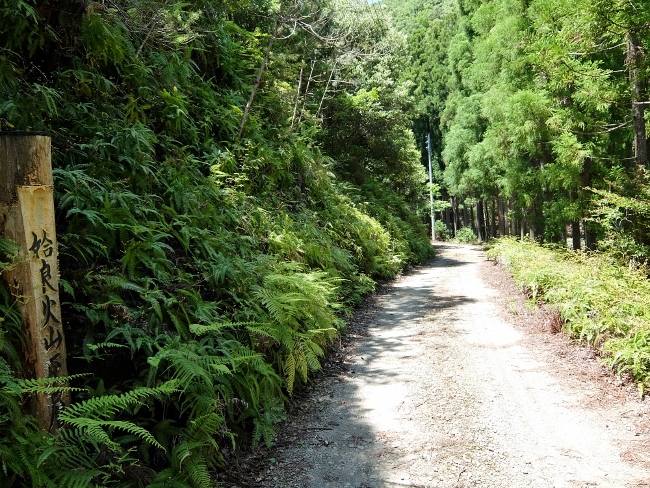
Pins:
x: 24, y: 161
x: 19, y: 133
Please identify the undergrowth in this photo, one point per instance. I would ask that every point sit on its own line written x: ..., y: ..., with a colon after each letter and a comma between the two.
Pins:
x: 601, y: 302
x: 203, y: 274
x: 465, y: 234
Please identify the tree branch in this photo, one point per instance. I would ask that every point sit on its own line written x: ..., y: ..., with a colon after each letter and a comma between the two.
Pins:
x: 258, y: 79
x: 627, y: 122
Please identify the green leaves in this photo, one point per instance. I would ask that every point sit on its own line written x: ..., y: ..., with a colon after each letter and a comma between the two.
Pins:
x: 302, y: 318
x: 203, y: 277
x: 600, y: 301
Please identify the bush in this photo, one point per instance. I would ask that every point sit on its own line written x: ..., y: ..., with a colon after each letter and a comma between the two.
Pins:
x: 442, y: 232
x: 601, y: 301
x: 465, y: 234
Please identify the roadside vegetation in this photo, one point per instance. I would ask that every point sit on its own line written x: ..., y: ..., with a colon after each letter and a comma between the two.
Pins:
x: 465, y: 234
x: 231, y: 178
x: 599, y: 300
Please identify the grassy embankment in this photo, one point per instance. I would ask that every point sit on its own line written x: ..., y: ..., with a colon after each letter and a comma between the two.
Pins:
x: 600, y: 301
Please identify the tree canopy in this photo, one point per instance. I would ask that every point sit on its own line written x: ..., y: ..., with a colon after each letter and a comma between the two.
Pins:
x: 540, y: 105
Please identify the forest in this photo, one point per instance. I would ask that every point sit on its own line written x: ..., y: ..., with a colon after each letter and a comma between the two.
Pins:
x: 538, y: 112
x: 232, y: 178
x: 538, y: 116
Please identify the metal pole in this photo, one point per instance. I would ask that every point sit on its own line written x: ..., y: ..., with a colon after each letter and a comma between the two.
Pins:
x: 433, y: 216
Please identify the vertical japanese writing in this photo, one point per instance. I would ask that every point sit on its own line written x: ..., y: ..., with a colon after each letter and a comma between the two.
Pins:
x: 27, y: 217
x: 42, y: 252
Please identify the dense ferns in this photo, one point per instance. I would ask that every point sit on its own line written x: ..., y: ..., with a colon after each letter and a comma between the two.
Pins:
x: 202, y: 274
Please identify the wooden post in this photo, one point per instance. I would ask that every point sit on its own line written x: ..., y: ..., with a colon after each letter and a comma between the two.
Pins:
x: 27, y: 218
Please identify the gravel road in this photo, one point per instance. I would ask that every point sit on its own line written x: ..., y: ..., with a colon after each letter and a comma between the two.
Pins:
x: 453, y: 381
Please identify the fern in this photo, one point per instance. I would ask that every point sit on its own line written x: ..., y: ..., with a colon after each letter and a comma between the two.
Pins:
x: 90, y: 419
x: 107, y: 406
x: 188, y: 258
x: 78, y: 479
x: 9, y: 254
x: 200, y: 329
x: 302, y: 317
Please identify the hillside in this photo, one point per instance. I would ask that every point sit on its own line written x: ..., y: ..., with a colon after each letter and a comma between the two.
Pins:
x: 231, y: 178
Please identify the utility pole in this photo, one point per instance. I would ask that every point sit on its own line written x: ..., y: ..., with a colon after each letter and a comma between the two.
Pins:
x: 433, y: 216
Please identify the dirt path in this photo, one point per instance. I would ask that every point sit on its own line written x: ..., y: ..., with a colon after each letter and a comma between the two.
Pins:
x: 453, y: 383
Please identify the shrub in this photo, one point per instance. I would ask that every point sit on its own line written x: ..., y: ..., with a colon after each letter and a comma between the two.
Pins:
x: 601, y: 302
x: 442, y: 232
x: 465, y: 234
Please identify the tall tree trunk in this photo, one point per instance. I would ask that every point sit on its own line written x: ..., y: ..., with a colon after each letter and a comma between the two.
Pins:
x: 493, y: 224
x: 480, y: 217
x: 575, y: 233
x: 502, y: 217
x: 464, y: 214
x: 536, y: 220
x: 473, y: 219
x: 634, y: 57
x: 513, y: 220
x: 485, y: 218
x: 532, y: 233
x: 590, y: 238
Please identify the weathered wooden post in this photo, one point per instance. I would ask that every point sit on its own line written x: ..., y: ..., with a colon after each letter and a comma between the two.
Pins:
x: 27, y: 218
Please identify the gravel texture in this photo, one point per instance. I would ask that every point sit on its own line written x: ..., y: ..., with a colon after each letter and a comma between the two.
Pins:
x: 448, y: 378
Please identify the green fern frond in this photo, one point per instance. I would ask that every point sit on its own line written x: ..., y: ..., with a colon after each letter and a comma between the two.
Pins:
x: 43, y: 385
x: 132, y: 428
x: 300, y: 361
x: 9, y: 254
x: 107, y: 406
x: 197, y: 469
x: 200, y: 329
x: 116, y: 281
x: 290, y: 371
x: 263, y: 430
x: 81, y: 478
